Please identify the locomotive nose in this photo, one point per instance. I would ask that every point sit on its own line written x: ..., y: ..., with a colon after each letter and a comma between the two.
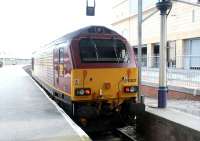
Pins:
x: 104, y: 83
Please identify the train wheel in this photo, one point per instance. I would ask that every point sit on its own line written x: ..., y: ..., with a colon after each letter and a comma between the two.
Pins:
x: 127, y: 116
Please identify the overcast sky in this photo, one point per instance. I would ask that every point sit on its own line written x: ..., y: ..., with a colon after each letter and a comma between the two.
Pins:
x: 28, y: 24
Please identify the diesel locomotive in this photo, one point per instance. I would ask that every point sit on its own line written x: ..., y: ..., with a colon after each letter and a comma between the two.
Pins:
x: 93, y: 71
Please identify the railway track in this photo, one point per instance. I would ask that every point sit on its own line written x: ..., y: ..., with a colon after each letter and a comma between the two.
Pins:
x: 127, y: 133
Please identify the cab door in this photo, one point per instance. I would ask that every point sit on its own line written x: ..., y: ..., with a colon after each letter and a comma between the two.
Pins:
x: 59, y: 68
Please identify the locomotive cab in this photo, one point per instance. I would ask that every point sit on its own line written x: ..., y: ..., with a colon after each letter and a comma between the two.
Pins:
x: 105, y: 75
x: 105, y: 69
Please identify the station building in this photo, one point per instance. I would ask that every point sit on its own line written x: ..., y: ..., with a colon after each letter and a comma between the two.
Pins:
x: 6, y: 59
x: 183, y: 47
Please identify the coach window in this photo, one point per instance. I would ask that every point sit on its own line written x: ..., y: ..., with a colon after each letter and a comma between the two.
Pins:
x: 61, y: 55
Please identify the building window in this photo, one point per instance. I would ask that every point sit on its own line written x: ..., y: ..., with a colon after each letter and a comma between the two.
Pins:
x: 156, y: 49
x: 193, y: 15
x: 192, y: 54
x: 156, y: 55
x: 171, y: 54
x: 144, y: 54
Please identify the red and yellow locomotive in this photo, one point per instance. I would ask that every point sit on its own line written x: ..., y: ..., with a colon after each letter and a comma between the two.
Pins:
x: 92, y: 70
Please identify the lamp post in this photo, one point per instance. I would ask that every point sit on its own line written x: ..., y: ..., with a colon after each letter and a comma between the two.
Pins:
x: 90, y: 9
x: 163, y: 6
x: 139, y: 47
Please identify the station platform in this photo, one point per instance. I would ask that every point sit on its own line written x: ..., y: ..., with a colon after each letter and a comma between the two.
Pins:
x: 169, y: 124
x: 27, y: 114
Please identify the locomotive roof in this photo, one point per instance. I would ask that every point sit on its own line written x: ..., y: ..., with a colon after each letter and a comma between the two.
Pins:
x: 85, y: 30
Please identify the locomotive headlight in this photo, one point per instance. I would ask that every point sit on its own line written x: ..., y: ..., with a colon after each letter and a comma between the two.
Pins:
x: 133, y: 89
x: 82, y: 91
x: 130, y: 89
x: 87, y: 92
x: 126, y: 89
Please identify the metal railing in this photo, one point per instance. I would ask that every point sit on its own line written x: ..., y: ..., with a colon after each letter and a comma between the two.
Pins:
x: 14, y: 61
x: 183, y: 71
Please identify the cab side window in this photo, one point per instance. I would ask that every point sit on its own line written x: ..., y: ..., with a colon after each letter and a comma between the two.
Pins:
x: 61, y: 55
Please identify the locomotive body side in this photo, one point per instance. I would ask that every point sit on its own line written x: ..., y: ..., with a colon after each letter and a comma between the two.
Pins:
x: 52, y: 69
x: 42, y: 68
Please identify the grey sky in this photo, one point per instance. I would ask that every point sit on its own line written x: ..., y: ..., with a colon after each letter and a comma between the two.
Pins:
x: 28, y: 24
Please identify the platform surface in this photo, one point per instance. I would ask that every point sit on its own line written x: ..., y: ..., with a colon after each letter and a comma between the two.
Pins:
x: 187, y: 120
x: 27, y: 114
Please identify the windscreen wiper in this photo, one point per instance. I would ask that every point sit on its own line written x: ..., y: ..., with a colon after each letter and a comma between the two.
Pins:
x: 95, y: 47
x: 114, y: 47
